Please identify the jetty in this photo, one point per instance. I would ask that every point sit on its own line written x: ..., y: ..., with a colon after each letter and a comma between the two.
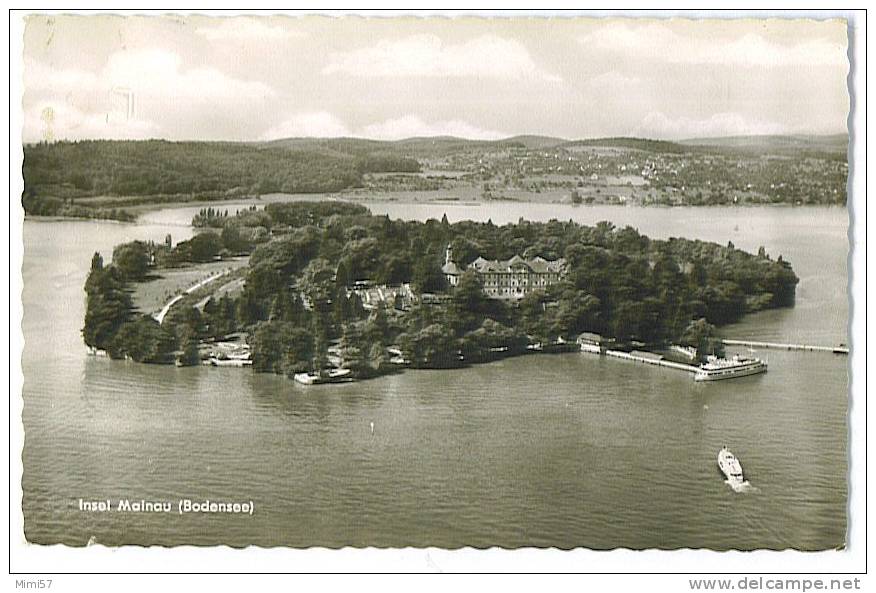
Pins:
x: 776, y: 346
x: 656, y: 361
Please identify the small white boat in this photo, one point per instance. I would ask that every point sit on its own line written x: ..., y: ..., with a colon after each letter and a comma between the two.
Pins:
x: 397, y: 357
x: 332, y: 376
x: 730, y: 466
x: 229, y: 362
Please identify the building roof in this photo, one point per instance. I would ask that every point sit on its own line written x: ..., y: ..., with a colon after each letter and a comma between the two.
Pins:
x: 537, y: 265
x: 589, y: 337
x: 452, y: 269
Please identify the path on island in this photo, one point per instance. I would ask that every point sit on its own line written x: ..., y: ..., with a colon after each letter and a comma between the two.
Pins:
x: 159, y: 317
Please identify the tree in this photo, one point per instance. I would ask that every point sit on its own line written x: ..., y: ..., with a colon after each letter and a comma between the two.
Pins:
x: 281, y: 347
x: 203, y: 247
x: 132, y: 260
x: 318, y: 283
x: 190, y: 355
x: 362, y: 259
x: 186, y: 322
x: 626, y: 319
x: 434, y: 346
x: 144, y: 340
x: 465, y: 251
x: 470, y: 304
x: 427, y: 276
x: 96, y: 262
x: 534, y: 315
x: 108, y: 304
x: 492, y: 339
x: 360, y: 354
x: 233, y: 241
x: 468, y: 294
x: 701, y: 335
x: 396, y: 269
x: 576, y: 312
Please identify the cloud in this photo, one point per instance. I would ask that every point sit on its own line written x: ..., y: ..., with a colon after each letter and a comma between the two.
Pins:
x: 39, y: 77
x: 661, y: 43
x: 246, y: 29
x: 614, y: 82
x: 52, y: 120
x: 86, y: 102
x: 319, y: 124
x: 410, y: 126
x: 658, y: 125
x: 158, y: 72
x: 487, y: 56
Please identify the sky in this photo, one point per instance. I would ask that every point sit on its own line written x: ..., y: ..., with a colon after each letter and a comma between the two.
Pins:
x: 249, y: 78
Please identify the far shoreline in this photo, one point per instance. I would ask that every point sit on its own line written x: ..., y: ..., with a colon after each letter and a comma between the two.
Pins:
x: 139, y: 209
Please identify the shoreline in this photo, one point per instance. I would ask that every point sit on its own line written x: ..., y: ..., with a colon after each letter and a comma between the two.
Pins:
x: 141, y: 209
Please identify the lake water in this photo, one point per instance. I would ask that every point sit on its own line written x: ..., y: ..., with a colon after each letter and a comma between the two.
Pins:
x: 565, y: 450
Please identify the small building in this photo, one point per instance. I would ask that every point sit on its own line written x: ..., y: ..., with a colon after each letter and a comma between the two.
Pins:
x: 399, y: 297
x: 590, y: 342
x: 688, y: 352
x: 451, y: 271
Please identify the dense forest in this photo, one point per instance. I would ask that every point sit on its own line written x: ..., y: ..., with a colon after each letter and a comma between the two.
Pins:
x: 308, y: 258
x: 158, y: 167
x: 51, y: 206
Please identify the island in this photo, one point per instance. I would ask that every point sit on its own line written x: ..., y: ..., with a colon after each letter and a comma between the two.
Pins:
x: 326, y: 288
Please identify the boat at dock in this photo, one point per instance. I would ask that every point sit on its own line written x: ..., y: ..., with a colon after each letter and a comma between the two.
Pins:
x: 716, y: 369
x: 332, y: 376
x: 229, y: 362
x: 730, y: 466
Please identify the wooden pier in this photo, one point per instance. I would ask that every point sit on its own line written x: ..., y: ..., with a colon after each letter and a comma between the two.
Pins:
x: 775, y: 346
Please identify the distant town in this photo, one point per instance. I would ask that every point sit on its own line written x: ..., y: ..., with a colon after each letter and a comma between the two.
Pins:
x: 118, y: 179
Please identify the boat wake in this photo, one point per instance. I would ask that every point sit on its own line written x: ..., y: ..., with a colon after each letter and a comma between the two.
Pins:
x: 744, y: 487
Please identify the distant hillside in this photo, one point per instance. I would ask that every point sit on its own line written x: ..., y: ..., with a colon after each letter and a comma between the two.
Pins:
x: 158, y: 167
x: 834, y: 143
x: 436, y: 146
x: 216, y: 170
x: 428, y: 145
x: 532, y: 141
x: 444, y: 145
x: 413, y: 147
x: 336, y: 146
x: 644, y: 144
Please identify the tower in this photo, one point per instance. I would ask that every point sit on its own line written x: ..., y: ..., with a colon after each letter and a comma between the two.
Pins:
x: 448, y: 255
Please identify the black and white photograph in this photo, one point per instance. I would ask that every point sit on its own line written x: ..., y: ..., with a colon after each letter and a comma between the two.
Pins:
x: 563, y: 282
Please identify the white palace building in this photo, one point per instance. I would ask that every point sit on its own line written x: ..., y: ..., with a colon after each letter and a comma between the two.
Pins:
x: 508, y: 279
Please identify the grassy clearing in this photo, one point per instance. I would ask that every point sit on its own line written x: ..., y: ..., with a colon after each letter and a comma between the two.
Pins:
x: 150, y: 296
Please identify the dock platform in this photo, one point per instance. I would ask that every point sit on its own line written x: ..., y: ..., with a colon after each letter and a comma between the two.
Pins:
x: 776, y: 346
x: 654, y: 361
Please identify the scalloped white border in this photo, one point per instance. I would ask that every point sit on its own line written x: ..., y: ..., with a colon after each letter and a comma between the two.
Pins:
x: 39, y: 559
